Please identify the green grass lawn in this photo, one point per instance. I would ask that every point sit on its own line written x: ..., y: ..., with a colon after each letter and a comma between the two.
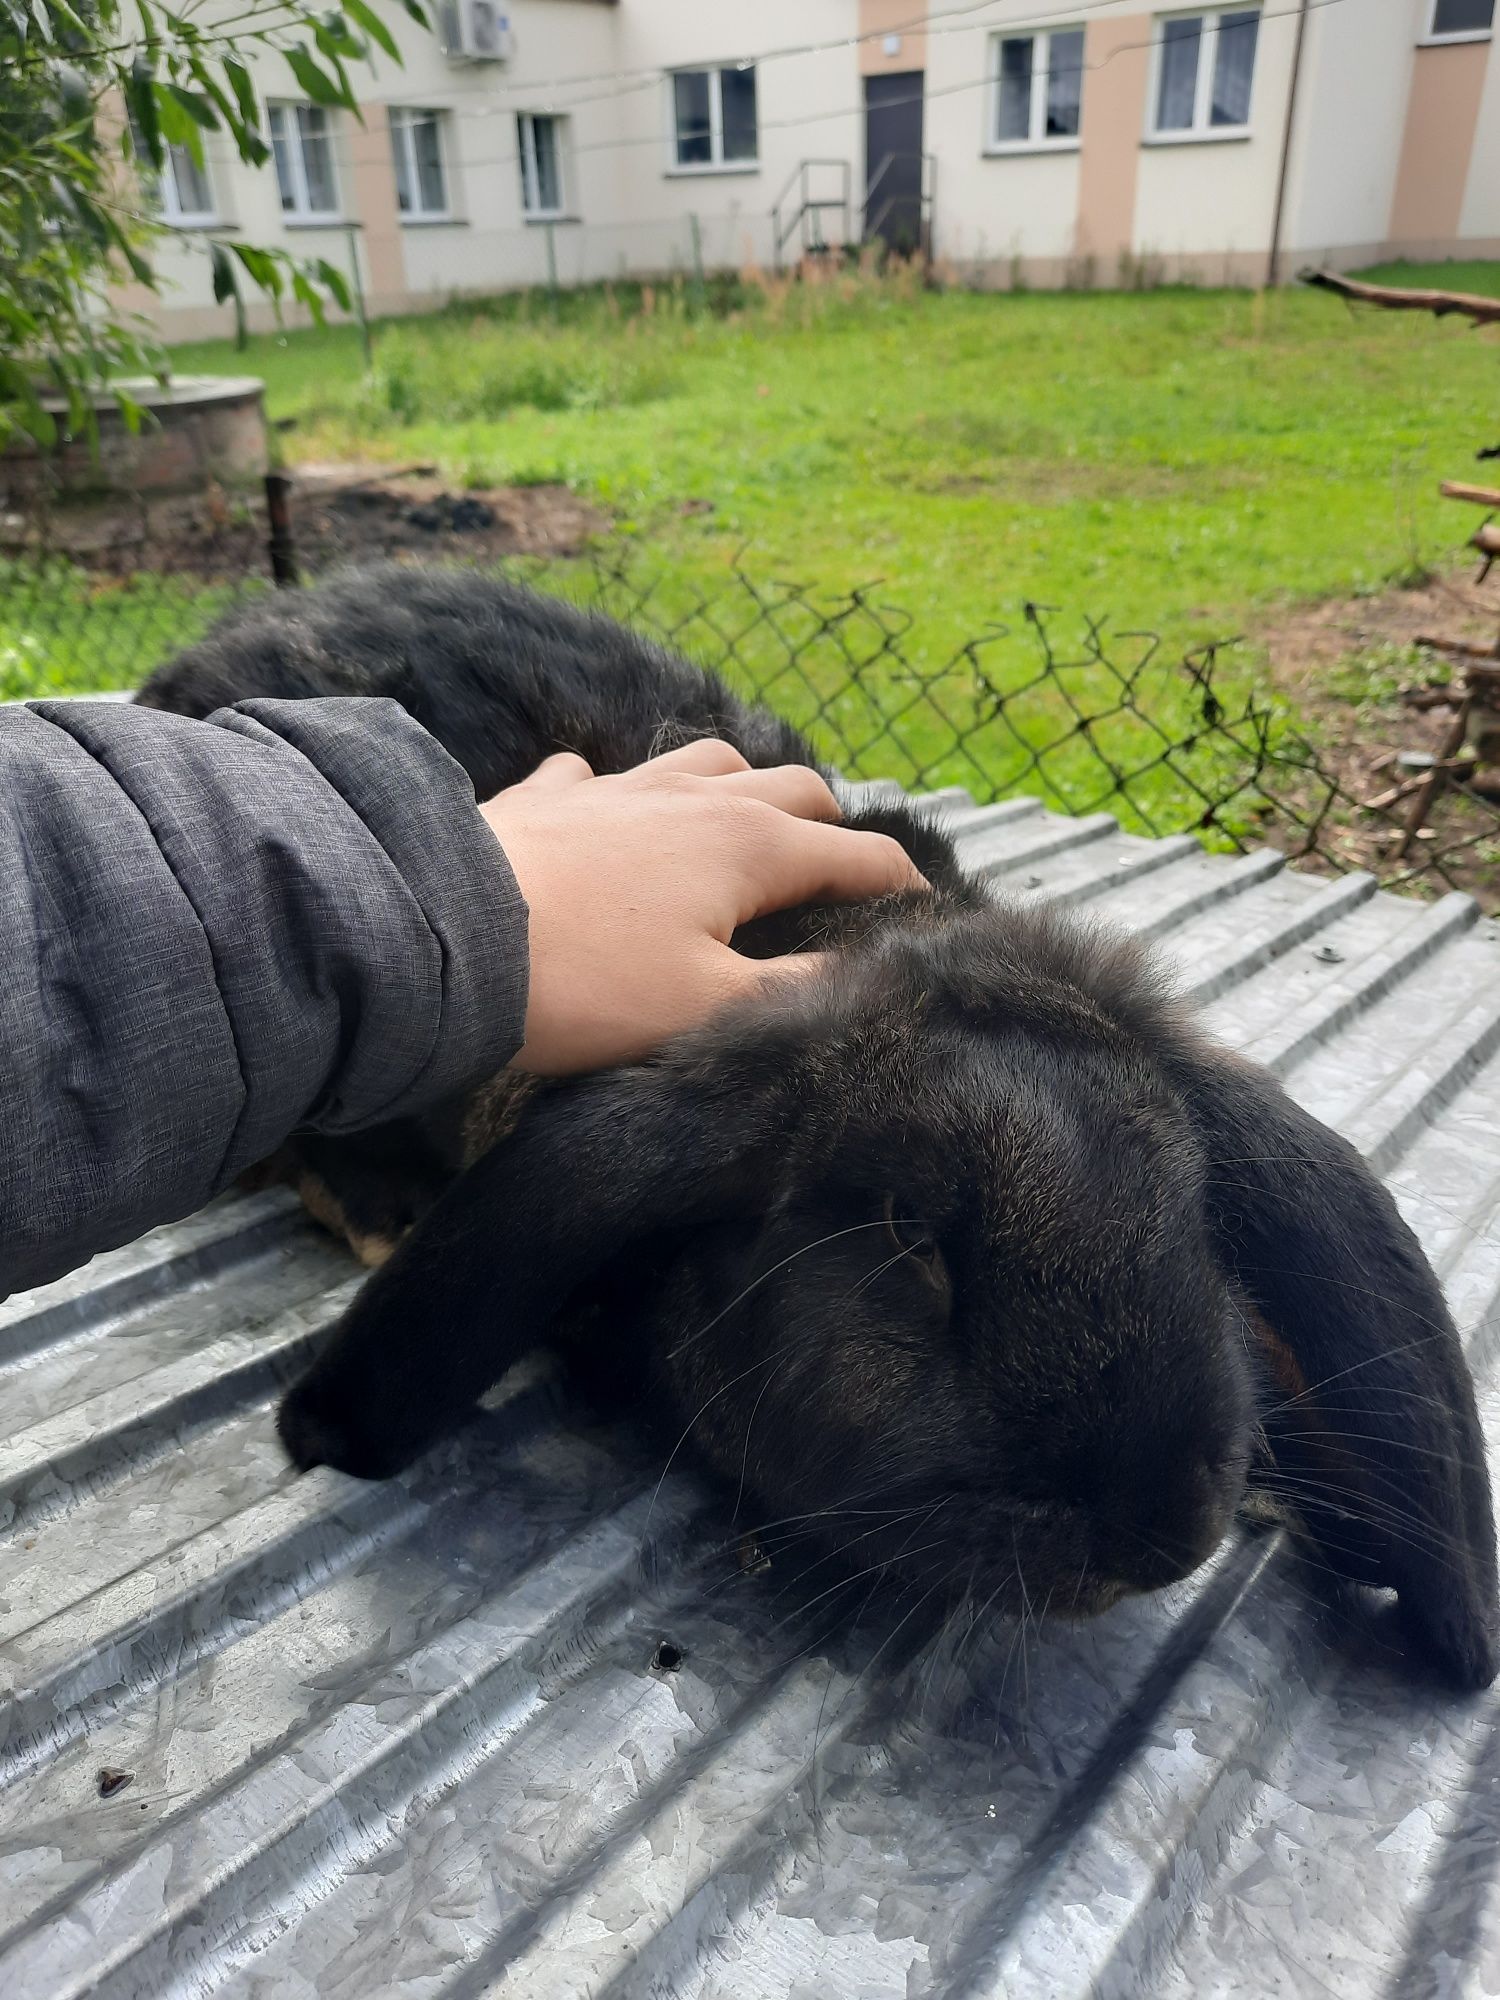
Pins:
x: 1178, y: 460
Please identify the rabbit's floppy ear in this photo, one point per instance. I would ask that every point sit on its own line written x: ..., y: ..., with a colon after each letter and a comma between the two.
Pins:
x: 1370, y: 1415
x: 593, y: 1166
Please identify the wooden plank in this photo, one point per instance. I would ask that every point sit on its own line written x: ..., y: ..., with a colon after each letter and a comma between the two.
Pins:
x: 1406, y: 298
x: 1460, y: 489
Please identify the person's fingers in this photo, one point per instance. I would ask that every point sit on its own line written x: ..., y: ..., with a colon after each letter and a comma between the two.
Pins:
x: 792, y: 787
x: 804, y: 861
x: 557, y: 772
x: 704, y: 757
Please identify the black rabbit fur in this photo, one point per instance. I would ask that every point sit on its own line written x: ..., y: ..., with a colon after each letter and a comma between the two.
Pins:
x: 972, y: 1252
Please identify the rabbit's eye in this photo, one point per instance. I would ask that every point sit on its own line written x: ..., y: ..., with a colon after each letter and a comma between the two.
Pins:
x: 914, y: 1240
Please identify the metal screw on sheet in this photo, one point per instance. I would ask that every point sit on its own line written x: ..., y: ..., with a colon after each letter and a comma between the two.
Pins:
x: 1326, y: 955
x: 1032, y: 882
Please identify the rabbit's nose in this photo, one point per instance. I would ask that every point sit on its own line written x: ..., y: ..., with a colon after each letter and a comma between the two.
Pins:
x: 1157, y: 1525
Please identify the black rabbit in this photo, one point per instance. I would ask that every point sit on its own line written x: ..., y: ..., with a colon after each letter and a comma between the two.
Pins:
x: 972, y: 1250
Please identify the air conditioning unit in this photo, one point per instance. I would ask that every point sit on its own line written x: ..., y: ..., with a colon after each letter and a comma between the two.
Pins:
x: 476, y: 31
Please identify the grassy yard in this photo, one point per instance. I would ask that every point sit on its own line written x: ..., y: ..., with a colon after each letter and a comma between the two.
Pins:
x: 1176, y: 459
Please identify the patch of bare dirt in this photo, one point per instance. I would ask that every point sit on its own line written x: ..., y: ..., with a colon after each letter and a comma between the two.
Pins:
x: 1375, y: 708
x: 339, y: 514
x: 344, y: 515
x: 1308, y: 643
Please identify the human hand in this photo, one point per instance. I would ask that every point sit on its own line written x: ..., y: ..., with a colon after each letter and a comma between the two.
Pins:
x: 636, y: 883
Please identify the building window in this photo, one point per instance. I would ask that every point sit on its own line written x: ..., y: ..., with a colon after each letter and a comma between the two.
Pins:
x: 713, y: 113
x: 417, y: 148
x: 182, y: 190
x: 302, y: 146
x: 540, y: 147
x: 1038, y: 88
x: 1204, y: 67
x: 1455, y: 19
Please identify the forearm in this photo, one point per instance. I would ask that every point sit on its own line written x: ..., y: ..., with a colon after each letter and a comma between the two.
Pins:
x: 211, y: 934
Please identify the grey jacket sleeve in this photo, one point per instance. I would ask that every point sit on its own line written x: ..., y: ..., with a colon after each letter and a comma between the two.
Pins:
x: 214, y: 932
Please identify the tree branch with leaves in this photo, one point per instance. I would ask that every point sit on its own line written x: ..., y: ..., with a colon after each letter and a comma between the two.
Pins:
x: 93, y: 95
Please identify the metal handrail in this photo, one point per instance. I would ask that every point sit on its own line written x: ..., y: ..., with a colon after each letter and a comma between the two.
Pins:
x: 808, y: 205
x: 799, y: 171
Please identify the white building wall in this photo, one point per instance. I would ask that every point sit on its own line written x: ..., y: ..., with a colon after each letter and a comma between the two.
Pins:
x: 1356, y: 78
x: 629, y: 207
x: 809, y: 106
x: 1479, y: 220
x: 1204, y: 205
x: 994, y: 208
x: 1056, y: 214
x: 491, y: 245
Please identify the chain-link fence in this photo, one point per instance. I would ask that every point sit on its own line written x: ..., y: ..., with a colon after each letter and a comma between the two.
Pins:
x: 1089, y: 716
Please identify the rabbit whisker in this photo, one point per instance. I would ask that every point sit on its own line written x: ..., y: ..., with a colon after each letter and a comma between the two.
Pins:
x: 1368, y: 1361
x: 1399, y: 1526
x: 1393, y: 1443
x: 844, y: 1582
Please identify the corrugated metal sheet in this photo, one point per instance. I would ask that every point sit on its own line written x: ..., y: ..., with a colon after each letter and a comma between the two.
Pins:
x: 418, y: 1738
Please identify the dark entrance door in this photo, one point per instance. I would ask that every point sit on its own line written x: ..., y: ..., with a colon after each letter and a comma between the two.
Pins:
x: 893, y: 160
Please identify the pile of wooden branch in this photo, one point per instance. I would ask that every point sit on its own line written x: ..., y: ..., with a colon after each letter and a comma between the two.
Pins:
x: 1469, y: 753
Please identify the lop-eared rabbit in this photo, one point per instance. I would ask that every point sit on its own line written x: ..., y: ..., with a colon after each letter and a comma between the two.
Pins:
x: 971, y: 1251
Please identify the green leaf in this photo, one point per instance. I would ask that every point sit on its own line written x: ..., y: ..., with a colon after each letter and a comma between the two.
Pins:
x: 251, y: 147
x: 75, y: 29
x: 336, y: 282
x: 304, y: 289
x: 139, y: 268
x: 227, y: 286
x: 140, y: 100
x: 244, y: 91
x: 28, y: 224
x: 20, y: 402
x: 197, y: 107
x: 177, y: 126
x: 130, y: 410
x: 333, y: 37
x: 374, y: 27
x: 199, y: 116
x: 225, y: 282
x: 318, y: 84
x: 262, y: 267
x: 417, y: 12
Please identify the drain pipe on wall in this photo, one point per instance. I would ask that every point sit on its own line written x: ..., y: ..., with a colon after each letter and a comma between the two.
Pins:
x: 1286, y: 145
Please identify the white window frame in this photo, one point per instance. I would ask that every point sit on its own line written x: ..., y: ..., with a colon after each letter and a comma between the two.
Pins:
x: 1036, y: 140
x: 1200, y: 132
x: 169, y: 194
x: 161, y: 190
x: 302, y: 213
x: 1433, y: 38
x: 532, y: 210
x: 400, y: 118
x: 716, y: 162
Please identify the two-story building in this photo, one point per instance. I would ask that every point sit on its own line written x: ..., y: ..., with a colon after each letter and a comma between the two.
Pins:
x: 529, y: 140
